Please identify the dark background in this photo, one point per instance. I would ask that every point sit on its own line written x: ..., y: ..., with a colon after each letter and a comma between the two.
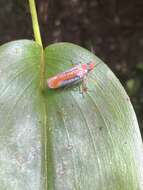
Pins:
x: 113, y: 29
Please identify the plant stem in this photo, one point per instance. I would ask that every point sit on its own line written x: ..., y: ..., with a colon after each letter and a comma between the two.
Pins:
x: 37, y: 36
x: 42, y: 72
x: 35, y: 23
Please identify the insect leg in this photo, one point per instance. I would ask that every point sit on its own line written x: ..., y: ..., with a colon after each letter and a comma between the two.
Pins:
x: 82, y: 87
x: 84, y: 84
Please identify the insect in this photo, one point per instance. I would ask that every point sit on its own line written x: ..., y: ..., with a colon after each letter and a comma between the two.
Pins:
x: 72, y: 76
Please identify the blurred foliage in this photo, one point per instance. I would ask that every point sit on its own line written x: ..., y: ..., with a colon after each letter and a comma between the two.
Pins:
x: 113, y: 29
x: 132, y: 86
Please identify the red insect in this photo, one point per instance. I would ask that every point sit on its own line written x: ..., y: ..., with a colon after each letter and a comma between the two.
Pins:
x: 72, y: 76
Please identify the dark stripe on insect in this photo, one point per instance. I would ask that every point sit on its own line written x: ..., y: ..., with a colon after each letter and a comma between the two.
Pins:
x: 73, y: 81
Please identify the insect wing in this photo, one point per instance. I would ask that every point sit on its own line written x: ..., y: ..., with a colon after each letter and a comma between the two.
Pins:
x: 53, y: 82
x: 70, y: 82
x: 67, y: 78
x: 63, y: 78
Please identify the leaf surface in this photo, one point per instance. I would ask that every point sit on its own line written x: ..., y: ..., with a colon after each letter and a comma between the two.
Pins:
x: 62, y: 140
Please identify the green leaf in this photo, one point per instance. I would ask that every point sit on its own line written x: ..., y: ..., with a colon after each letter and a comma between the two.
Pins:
x: 61, y: 140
